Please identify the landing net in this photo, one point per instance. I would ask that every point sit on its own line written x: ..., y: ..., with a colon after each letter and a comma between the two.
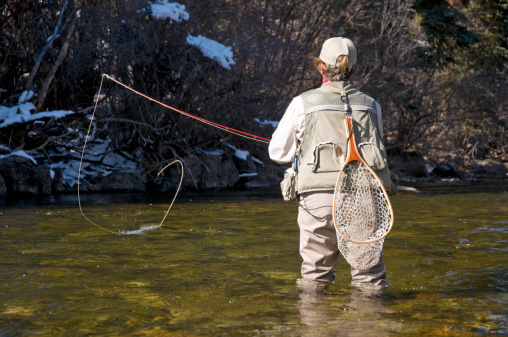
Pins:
x: 362, y: 215
x: 362, y: 209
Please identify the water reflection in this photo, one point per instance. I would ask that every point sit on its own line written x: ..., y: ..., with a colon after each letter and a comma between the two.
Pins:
x: 355, y: 313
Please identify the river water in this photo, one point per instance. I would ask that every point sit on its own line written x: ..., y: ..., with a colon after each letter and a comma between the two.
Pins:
x: 225, y: 264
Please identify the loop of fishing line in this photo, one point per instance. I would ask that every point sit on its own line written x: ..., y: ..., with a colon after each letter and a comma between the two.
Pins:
x: 158, y: 174
x: 219, y: 126
x: 146, y: 227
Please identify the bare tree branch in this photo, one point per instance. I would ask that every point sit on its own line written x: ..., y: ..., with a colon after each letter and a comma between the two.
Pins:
x: 52, y: 38
x: 63, y: 52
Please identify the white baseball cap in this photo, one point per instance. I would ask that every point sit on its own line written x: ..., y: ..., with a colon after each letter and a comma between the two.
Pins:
x: 335, y: 47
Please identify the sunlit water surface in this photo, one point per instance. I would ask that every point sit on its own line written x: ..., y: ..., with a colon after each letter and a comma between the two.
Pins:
x: 225, y: 264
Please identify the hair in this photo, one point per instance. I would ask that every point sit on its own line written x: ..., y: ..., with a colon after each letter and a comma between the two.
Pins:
x: 337, y: 72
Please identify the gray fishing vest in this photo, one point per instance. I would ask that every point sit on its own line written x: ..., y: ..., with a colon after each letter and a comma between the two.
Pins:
x: 322, y: 152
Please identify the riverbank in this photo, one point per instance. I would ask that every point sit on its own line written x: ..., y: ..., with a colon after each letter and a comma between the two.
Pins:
x: 221, y: 169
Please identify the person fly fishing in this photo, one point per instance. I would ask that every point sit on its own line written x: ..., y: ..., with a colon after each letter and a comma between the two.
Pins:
x: 311, y: 135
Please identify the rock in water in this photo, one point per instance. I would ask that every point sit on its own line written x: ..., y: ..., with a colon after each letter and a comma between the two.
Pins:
x: 446, y: 170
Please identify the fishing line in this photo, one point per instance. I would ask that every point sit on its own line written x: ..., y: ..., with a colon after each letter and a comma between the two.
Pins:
x: 143, y: 228
x: 219, y: 126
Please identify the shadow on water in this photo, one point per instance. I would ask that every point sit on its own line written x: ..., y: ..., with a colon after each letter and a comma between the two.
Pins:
x: 226, y: 264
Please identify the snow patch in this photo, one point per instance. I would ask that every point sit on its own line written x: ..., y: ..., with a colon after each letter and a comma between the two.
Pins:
x: 25, y: 96
x: 241, y: 154
x: 19, y: 153
x: 23, y: 109
x: 164, y: 9
x: 22, y: 113
x: 212, y: 49
x: 247, y: 175
x: 95, y: 152
x: 274, y: 124
x: 212, y: 152
x: 69, y: 170
x: 254, y: 159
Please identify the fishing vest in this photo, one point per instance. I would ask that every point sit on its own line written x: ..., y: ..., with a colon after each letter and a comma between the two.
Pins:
x: 321, y: 154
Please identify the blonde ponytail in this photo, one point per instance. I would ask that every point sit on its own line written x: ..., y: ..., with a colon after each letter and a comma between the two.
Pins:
x: 337, y: 72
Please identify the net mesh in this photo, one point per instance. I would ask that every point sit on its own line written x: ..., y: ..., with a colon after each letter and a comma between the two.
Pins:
x: 363, y: 215
x: 361, y: 256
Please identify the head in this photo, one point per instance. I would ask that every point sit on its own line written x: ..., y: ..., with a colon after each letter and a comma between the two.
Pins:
x: 337, y: 60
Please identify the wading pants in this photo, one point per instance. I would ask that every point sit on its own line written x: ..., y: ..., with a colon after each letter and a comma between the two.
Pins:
x: 318, y: 244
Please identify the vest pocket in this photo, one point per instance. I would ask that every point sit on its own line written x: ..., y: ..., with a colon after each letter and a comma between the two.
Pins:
x: 373, y: 156
x: 327, y: 158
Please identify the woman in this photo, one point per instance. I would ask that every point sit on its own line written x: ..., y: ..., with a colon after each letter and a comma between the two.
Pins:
x: 312, y: 135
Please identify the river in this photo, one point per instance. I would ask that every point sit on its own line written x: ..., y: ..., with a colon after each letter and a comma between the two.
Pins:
x: 225, y: 264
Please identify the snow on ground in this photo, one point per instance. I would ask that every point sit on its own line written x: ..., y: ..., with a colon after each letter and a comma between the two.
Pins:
x: 23, y: 109
x: 266, y: 122
x: 164, y: 9
x: 70, y: 170
x: 212, y: 152
x: 96, y: 151
x: 22, y: 113
x: 212, y: 49
x: 110, y: 162
x: 20, y: 118
x: 241, y: 154
x: 243, y: 175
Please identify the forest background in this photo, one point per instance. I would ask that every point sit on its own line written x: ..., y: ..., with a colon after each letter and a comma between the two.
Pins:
x: 437, y: 67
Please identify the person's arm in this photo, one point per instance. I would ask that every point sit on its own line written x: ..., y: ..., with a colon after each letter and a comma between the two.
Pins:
x: 283, y: 145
